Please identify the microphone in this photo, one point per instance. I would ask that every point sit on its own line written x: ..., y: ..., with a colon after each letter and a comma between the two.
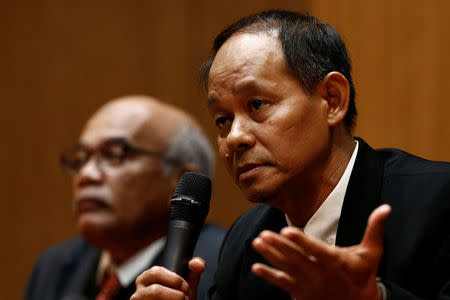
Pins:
x: 188, y: 210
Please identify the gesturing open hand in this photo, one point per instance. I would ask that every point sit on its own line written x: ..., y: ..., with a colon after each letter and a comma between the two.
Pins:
x: 310, y: 269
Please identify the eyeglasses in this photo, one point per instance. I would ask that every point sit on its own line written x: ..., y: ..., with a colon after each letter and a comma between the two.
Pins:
x: 111, y: 153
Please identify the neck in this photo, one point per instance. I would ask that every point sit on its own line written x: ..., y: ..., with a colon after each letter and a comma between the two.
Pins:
x: 321, y: 180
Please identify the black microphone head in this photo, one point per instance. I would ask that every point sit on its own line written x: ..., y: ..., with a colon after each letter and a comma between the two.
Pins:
x: 194, y: 185
x: 191, y: 198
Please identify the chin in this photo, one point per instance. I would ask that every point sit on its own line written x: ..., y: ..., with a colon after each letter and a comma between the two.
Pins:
x: 95, y: 230
x: 258, y: 191
x: 265, y: 197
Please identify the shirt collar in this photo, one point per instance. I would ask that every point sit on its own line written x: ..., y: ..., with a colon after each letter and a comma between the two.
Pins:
x: 132, y: 267
x: 324, y: 223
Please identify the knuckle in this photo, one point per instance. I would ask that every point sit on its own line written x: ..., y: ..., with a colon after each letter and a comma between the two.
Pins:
x: 179, y: 281
x: 138, y: 281
x: 155, y: 290
x: 147, y: 276
x: 154, y: 270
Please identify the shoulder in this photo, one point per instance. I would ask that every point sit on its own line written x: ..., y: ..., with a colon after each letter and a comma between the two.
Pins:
x: 57, y: 266
x: 399, y: 162
x: 407, y: 173
x: 67, y: 251
x: 418, y: 191
x: 399, y: 168
x: 66, y: 255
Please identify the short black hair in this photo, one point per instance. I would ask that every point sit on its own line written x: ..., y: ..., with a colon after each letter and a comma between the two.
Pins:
x: 312, y: 49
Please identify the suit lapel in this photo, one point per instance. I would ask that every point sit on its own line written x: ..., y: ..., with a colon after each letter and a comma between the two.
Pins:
x: 362, y: 197
x: 252, y: 286
x: 83, y: 284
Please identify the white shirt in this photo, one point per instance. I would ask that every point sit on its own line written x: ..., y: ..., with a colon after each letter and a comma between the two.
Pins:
x: 324, y: 223
x: 132, y: 267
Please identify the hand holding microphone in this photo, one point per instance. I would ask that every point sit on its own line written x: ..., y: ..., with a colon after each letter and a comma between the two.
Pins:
x: 188, y: 210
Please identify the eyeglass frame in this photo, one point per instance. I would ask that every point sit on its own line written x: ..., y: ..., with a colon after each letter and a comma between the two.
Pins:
x: 128, y: 148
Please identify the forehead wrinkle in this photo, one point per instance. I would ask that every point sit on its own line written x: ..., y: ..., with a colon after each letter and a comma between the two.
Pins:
x: 236, y: 81
x: 242, y: 62
x: 249, y: 83
x: 220, y: 78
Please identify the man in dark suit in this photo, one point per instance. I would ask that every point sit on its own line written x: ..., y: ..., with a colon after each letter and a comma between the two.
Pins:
x: 281, y: 94
x: 125, y: 167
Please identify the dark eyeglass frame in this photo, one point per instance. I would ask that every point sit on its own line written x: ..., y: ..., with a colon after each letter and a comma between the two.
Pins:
x: 73, y: 166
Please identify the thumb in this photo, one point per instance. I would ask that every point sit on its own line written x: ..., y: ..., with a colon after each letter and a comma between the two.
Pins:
x: 373, y: 237
x: 196, y: 268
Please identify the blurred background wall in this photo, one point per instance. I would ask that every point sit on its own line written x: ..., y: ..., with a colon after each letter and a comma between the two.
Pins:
x: 60, y: 60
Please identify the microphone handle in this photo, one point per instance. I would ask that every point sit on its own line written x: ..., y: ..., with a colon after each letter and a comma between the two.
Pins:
x: 181, y: 240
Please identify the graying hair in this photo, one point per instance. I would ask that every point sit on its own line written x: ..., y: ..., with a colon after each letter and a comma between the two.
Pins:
x: 190, y: 146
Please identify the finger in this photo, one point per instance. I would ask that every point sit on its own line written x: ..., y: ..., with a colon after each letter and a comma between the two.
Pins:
x: 276, y: 277
x: 196, y: 268
x: 273, y: 255
x: 281, y: 252
x: 316, y: 250
x: 373, y: 237
x: 157, y: 292
x: 162, y: 276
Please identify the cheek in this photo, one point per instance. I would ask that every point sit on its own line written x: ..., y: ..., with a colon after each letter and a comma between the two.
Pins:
x: 294, y: 142
x: 123, y: 192
x: 224, y: 153
x: 140, y: 196
x: 128, y: 187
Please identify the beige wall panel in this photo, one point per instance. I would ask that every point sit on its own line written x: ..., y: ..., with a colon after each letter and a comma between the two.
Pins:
x: 400, y: 52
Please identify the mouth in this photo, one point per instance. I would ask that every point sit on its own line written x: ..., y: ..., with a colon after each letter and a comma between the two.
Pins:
x: 89, y: 204
x: 247, y: 171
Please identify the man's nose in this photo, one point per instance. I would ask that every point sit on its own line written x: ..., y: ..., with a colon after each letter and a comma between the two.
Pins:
x: 240, y: 136
x: 89, y: 173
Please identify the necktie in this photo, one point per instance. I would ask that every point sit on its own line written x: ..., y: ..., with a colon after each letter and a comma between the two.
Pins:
x: 110, y: 288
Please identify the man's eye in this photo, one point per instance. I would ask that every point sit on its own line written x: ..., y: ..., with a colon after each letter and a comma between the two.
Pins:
x: 81, y: 156
x: 114, y: 153
x: 256, y: 104
x: 221, y: 121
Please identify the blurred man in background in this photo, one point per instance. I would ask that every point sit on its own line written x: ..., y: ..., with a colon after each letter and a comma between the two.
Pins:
x: 125, y: 167
x: 280, y: 92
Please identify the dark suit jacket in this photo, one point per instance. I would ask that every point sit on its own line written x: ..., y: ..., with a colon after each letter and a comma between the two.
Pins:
x: 416, y: 261
x: 67, y: 271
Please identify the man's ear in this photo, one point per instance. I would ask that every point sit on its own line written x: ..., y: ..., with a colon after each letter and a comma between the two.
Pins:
x: 176, y: 174
x: 335, y: 90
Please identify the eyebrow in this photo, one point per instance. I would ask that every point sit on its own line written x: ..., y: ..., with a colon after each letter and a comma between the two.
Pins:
x: 239, y: 88
x: 107, y: 141
x: 211, y: 101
